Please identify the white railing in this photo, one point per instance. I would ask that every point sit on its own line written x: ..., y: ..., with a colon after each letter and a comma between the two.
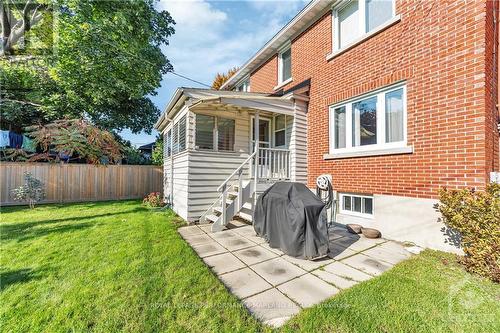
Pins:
x: 273, y: 164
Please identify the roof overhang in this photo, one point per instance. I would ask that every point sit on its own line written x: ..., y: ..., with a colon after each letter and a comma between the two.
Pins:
x: 308, y: 15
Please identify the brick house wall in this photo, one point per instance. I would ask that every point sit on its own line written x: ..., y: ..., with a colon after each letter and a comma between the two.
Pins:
x: 444, y: 51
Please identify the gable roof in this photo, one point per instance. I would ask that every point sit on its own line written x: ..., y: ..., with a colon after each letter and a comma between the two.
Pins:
x: 299, y: 23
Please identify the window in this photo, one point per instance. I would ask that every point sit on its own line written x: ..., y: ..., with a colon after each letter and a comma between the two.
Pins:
x: 356, y: 204
x: 168, y: 143
x: 280, y: 130
x: 376, y: 120
x: 354, y: 18
x: 205, y: 131
x: 225, y: 134
x: 214, y: 133
x: 179, y: 136
x: 244, y: 86
x: 285, y: 65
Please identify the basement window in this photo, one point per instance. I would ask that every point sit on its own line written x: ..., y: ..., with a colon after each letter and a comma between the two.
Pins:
x: 354, y: 204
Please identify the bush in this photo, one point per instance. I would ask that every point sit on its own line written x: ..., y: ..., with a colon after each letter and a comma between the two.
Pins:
x: 476, y: 215
x: 153, y: 199
x: 32, y: 191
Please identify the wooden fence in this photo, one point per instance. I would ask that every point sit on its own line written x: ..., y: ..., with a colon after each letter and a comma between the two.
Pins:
x: 82, y: 182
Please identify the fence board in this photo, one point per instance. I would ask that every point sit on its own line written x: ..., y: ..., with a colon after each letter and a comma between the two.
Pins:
x: 82, y: 182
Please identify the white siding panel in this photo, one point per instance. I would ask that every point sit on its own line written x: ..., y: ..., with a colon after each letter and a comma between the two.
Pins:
x: 298, y: 143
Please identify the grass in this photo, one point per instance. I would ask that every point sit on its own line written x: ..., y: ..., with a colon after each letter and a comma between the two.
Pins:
x: 117, y: 266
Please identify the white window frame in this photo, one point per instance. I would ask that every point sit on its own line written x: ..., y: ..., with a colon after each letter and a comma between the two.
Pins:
x: 381, y: 144
x: 351, y: 212
x: 281, y: 80
x: 279, y: 130
x: 363, y: 33
x: 215, y: 132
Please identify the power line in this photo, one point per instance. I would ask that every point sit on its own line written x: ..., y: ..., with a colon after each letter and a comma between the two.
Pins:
x: 189, y: 79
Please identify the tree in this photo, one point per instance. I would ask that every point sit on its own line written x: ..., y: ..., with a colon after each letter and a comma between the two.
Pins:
x: 32, y: 191
x: 157, y: 155
x: 75, y: 139
x: 108, y: 62
x: 221, y: 78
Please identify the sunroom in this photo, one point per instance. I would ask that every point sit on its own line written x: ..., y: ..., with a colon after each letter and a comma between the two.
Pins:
x: 211, y: 151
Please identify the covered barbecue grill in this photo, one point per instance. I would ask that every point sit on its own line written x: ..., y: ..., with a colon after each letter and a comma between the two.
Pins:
x: 290, y: 217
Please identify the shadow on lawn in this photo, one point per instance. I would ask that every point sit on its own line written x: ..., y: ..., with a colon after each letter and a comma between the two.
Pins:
x: 29, y: 230
x: 17, y: 276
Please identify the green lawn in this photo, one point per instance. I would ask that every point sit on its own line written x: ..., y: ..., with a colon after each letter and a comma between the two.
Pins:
x: 117, y: 266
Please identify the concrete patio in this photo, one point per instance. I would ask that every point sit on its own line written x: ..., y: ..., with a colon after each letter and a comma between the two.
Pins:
x: 274, y: 286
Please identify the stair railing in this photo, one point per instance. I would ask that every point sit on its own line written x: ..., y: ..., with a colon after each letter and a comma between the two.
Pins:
x: 225, y: 186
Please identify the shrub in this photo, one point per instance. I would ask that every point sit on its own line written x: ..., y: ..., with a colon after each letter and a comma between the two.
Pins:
x: 32, y: 191
x: 153, y: 199
x: 476, y: 215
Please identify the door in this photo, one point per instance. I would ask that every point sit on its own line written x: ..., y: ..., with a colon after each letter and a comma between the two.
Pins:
x: 264, y: 142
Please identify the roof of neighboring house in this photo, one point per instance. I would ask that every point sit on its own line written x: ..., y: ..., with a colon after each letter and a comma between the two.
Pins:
x: 260, y: 101
x: 148, y: 146
x: 297, y: 25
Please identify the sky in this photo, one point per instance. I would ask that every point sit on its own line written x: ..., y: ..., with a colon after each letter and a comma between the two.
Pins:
x: 213, y: 36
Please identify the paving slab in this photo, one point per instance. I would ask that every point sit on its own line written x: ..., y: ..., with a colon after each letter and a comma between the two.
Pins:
x: 391, y: 257
x: 209, y: 249
x: 339, y: 252
x: 395, y: 247
x: 223, y: 263
x: 189, y: 231
x: 272, y: 307
x: 244, y: 282
x: 364, y: 243
x: 345, y: 242
x: 336, y: 280
x: 222, y: 234
x: 308, y: 290
x: 367, y: 264
x: 249, y: 233
x: 255, y: 254
x: 235, y: 243
x: 207, y: 227
x: 277, y: 270
x: 347, y: 272
x: 267, y: 247
x: 198, y: 239
x: 308, y: 265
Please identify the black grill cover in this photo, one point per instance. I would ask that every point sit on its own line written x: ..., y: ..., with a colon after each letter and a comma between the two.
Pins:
x: 290, y: 217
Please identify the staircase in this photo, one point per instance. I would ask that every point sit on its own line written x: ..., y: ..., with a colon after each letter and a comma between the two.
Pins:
x: 238, y: 192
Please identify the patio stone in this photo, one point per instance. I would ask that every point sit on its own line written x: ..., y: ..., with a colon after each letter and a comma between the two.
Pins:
x: 391, y: 257
x: 339, y: 252
x: 396, y: 247
x: 223, y: 263
x: 345, y: 242
x: 272, y: 307
x: 308, y: 265
x: 267, y: 247
x: 236, y: 224
x: 254, y: 254
x: 337, y: 281
x: 222, y: 234
x: 206, y: 227
x: 277, y: 270
x: 308, y: 290
x: 367, y: 264
x: 235, y: 243
x: 244, y: 282
x: 249, y: 233
x: 198, y: 239
x: 347, y: 272
x: 209, y: 249
x: 364, y: 243
x: 189, y: 231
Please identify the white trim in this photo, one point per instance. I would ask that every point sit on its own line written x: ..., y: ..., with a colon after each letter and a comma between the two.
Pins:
x: 359, y: 40
x: 285, y: 48
x: 381, y: 147
x: 252, y: 130
x: 282, y: 84
x: 353, y: 213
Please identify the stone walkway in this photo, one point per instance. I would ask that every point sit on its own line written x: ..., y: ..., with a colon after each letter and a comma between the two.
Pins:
x: 274, y: 286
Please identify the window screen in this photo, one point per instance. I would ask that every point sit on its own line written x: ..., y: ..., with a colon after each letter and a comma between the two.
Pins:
x: 377, y: 13
x: 182, y: 134
x: 205, y: 131
x: 286, y: 65
x: 225, y: 130
x: 279, y: 131
x: 175, y: 138
x: 348, y: 23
